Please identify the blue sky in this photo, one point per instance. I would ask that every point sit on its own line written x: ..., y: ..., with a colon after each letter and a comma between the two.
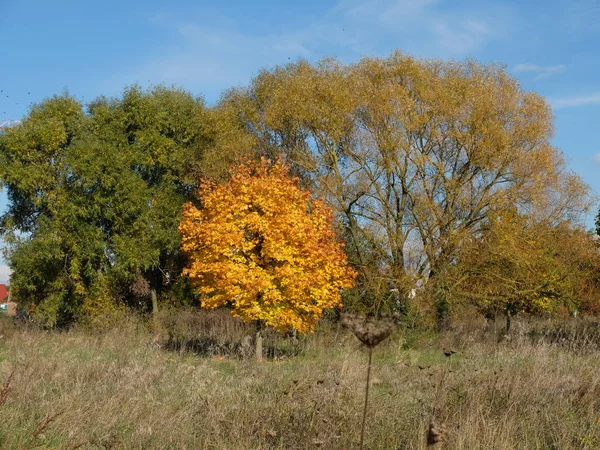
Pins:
x: 94, y: 48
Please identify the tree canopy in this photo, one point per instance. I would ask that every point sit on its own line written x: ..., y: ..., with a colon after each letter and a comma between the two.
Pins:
x: 95, y: 196
x: 515, y: 264
x: 412, y: 154
x: 423, y: 164
x: 266, y: 248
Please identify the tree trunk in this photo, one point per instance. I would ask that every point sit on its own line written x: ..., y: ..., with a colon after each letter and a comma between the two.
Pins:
x: 508, y: 320
x: 442, y: 309
x: 489, y: 320
x: 259, y: 345
x: 154, y: 302
x: 155, y: 320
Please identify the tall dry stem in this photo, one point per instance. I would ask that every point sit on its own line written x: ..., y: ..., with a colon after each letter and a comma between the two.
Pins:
x: 371, y: 333
x: 364, y: 417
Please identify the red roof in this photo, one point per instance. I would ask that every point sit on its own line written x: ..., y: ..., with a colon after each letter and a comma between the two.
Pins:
x: 3, y: 293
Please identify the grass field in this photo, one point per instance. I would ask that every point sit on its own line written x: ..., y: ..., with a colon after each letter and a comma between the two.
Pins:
x: 120, y: 389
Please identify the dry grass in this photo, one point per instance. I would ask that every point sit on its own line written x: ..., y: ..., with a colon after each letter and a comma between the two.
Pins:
x: 117, y: 390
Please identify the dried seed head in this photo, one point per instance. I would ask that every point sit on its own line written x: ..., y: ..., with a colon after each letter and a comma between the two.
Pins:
x: 369, y: 331
x: 141, y: 286
x: 436, y: 434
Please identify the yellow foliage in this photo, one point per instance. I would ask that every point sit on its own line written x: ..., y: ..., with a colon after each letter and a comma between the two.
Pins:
x: 264, y: 247
x: 521, y: 264
x: 413, y: 154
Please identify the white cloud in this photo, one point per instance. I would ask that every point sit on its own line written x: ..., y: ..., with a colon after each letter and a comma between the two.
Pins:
x: 462, y: 37
x: 5, y: 272
x: 597, y: 158
x: 541, y: 71
x: 407, y: 10
x: 437, y: 31
x: 384, y: 11
x: 211, y: 56
x: 576, y: 100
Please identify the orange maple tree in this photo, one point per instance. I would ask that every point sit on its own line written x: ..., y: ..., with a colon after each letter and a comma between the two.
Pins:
x: 264, y: 247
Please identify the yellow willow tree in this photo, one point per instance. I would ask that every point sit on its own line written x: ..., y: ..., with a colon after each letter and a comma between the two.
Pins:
x: 264, y: 247
x: 412, y: 154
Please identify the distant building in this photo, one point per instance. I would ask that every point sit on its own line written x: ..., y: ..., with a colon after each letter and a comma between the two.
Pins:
x: 3, y: 293
x: 6, y: 306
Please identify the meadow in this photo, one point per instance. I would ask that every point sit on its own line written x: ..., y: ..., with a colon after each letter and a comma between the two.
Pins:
x: 197, y: 386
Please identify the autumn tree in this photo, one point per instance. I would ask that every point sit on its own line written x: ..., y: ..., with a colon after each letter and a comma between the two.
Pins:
x: 514, y: 264
x: 264, y: 247
x: 505, y: 269
x: 412, y: 154
x: 577, y: 252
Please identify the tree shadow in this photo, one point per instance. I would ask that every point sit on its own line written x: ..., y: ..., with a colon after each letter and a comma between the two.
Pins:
x: 207, y: 347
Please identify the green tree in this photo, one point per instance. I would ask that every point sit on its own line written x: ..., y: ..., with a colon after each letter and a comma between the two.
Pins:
x: 95, y: 197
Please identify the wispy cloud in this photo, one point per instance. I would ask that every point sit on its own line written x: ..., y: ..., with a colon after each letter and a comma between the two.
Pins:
x: 227, y: 51
x: 576, y: 100
x: 437, y: 30
x: 540, y: 71
x: 462, y: 37
x: 392, y: 12
x: 597, y: 158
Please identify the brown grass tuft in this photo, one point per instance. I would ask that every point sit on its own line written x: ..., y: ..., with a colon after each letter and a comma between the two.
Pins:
x: 6, y: 388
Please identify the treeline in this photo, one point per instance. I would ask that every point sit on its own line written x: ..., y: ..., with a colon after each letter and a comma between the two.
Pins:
x: 446, y: 189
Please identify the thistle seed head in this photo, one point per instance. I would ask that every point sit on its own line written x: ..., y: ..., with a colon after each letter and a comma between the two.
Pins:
x: 369, y: 331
